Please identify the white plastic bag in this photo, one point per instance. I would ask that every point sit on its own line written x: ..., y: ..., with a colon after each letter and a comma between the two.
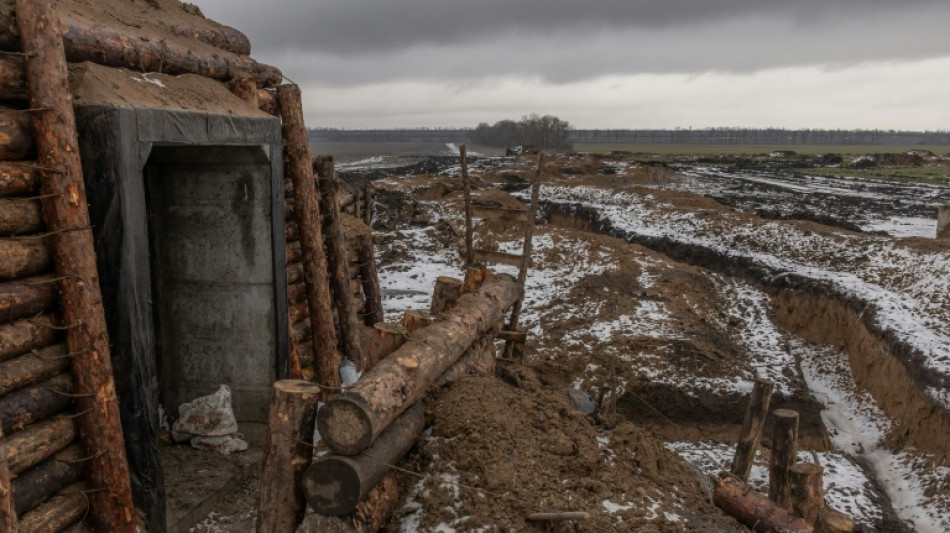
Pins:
x: 207, y: 416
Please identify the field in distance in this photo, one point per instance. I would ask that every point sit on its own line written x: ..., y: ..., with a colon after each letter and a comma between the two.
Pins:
x: 735, y: 149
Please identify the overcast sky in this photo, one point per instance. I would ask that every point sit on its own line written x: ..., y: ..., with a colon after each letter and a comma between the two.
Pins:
x: 608, y: 63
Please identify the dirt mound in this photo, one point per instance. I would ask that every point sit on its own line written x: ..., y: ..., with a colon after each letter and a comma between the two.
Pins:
x: 498, y: 452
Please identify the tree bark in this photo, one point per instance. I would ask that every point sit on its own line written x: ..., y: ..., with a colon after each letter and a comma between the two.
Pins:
x: 67, y: 215
x: 31, y: 368
x: 294, y: 253
x: 8, y: 517
x: 287, y: 452
x: 298, y: 164
x: 219, y: 36
x: 26, y: 297
x: 807, y: 494
x: 21, y: 258
x: 65, y: 508
x: 351, y: 421
x: 21, y: 336
x: 245, y: 88
x: 18, y: 178
x: 369, y: 516
x: 415, y: 320
x: 446, y: 292
x: 366, y: 252
x: 754, y: 510
x: 31, y: 404
x: 38, y: 442
x: 752, y: 425
x: 294, y: 272
x: 369, y: 195
x: 339, y: 264
x: 267, y: 102
x: 525, y: 257
x: 385, y: 338
x: 784, y: 455
x: 478, y: 359
x: 832, y: 521
x: 467, y: 190
x: 43, y: 481
x: 12, y: 78
x: 334, y: 485
x: 20, y: 217
x: 474, y: 277
x: 565, y: 516
x: 16, y: 140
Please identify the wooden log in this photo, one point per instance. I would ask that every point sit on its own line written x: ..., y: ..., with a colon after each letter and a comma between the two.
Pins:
x: 369, y: 200
x: 384, y: 339
x: 287, y: 452
x: 297, y: 293
x: 43, y: 481
x: 21, y: 336
x: 298, y: 164
x: 21, y: 258
x: 337, y: 259
x: 467, y: 190
x: 267, y: 102
x: 31, y: 404
x: 351, y: 421
x: 563, y: 516
x: 334, y: 485
x: 62, y: 510
x: 784, y: 455
x: 752, y: 425
x: 754, y: 510
x: 66, y: 212
x: 474, y: 277
x: 370, y: 515
x: 516, y: 343
x: 294, y: 253
x: 415, y: 320
x: 294, y: 272
x: 245, y: 88
x: 20, y: 217
x: 494, y: 256
x: 217, y: 35
x: 16, y: 139
x: 369, y: 280
x: 478, y: 359
x: 8, y: 517
x: 297, y: 313
x: 806, y: 492
x: 32, y: 367
x: 26, y: 297
x: 18, y: 178
x: 301, y: 331
x: 12, y: 78
x: 38, y: 442
x: 291, y: 232
x: 832, y: 521
x: 446, y: 292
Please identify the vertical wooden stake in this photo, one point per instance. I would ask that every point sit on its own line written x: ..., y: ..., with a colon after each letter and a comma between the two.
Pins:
x: 288, y: 452
x: 368, y: 199
x: 752, y: 428
x: 525, y: 253
x: 806, y: 492
x: 7, y: 514
x: 446, y: 292
x: 307, y: 209
x: 339, y: 266
x: 415, y: 320
x: 66, y: 212
x: 784, y: 455
x: 467, y: 188
x: 366, y: 254
x: 474, y: 277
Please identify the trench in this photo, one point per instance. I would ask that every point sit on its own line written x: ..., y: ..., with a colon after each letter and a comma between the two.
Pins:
x: 817, y: 314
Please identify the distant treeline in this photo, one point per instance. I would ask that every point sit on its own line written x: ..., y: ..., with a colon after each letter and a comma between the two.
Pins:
x: 771, y: 136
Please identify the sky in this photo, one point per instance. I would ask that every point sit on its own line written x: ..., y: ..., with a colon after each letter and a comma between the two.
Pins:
x: 870, y: 64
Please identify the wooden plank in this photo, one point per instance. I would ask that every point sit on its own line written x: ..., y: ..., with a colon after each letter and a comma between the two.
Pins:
x: 513, y: 335
x: 492, y: 256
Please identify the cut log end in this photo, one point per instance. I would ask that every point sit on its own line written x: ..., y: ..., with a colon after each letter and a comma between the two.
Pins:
x: 352, y: 429
x: 333, y: 488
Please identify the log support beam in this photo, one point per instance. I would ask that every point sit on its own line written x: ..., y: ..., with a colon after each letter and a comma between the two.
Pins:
x: 755, y: 510
x: 752, y: 425
x: 784, y: 455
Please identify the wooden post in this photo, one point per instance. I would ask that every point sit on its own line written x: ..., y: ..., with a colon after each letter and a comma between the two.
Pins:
x: 446, y: 292
x: 525, y: 253
x: 752, y: 425
x: 368, y: 199
x: 350, y: 421
x: 415, y: 320
x: 784, y: 455
x: 8, y: 521
x: 467, y: 188
x: 369, y: 279
x: 65, y: 508
x: 67, y: 216
x: 384, y: 339
x: 807, y: 495
x: 755, y: 510
x: 298, y: 164
x: 474, y: 277
x: 335, y: 484
x: 339, y: 266
x: 288, y: 451
x: 832, y: 521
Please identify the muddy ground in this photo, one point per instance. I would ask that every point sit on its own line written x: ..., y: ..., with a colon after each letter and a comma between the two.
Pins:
x: 663, y: 304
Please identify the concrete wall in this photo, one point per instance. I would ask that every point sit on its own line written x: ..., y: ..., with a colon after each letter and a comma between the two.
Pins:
x: 209, y: 214
x: 943, y: 222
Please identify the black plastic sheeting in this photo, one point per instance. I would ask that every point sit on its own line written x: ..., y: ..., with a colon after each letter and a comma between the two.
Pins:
x: 115, y: 143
